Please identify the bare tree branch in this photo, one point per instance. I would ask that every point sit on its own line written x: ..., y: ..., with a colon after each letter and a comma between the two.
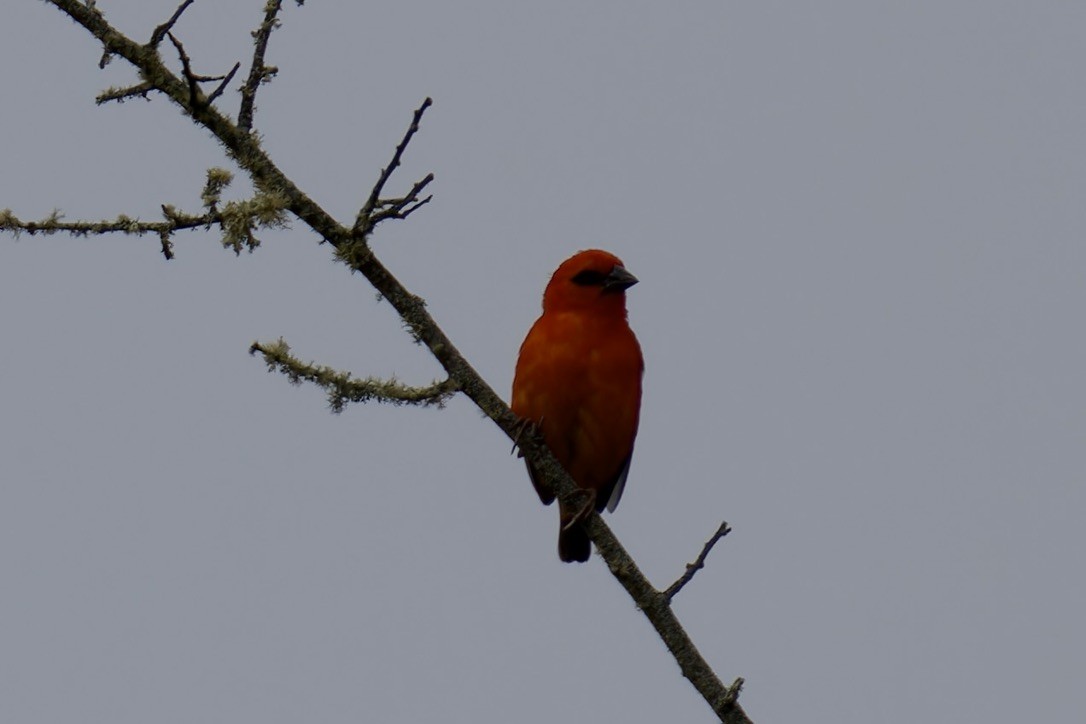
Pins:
x: 166, y: 27
x: 402, y: 207
x: 368, y: 216
x: 351, y: 247
x: 691, y: 568
x: 258, y: 72
x: 191, y: 81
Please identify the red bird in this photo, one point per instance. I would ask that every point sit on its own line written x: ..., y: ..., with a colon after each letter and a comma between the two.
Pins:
x: 578, y: 380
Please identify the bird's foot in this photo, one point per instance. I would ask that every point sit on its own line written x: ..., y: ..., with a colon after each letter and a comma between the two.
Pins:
x: 584, y: 511
x: 526, y: 427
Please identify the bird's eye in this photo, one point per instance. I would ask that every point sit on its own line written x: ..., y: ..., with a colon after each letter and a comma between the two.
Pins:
x: 590, y: 278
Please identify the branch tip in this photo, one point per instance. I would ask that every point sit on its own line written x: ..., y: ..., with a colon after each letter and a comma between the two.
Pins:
x: 258, y: 72
x: 222, y: 86
x: 692, y: 568
x: 162, y: 30
x: 342, y: 388
x: 731, y: 695
x: 368, y: 217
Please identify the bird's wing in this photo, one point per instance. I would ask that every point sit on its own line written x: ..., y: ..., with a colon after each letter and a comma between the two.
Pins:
x: 618, y: 486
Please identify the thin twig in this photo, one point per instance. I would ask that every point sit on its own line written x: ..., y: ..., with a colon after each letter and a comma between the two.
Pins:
x: 258, y: 72
x: 403, y: 207
x: 166, y: 27
x: 122, y: 94
x: 366, y: 220
x: 691, y: 568
x: 194, y: 79
x: 225, y: 82
x: 186, y: 69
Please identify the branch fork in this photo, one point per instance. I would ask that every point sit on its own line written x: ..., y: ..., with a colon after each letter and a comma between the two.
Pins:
x: 282, y: 195
x: 692, y: 568
x: 375, y: 209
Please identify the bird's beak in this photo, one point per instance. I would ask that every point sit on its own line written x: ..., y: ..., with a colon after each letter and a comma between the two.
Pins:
x: 619, y: 280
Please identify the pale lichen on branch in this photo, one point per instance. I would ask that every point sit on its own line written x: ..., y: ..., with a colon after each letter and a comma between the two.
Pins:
x: 342, y: 387
x: 241, y: 219
x: 238, y: 220
x: 54, y: 223
x: 259, y: 73
x: 276, y: 195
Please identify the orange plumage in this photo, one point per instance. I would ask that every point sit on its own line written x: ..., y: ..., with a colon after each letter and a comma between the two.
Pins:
x: 578, y: 380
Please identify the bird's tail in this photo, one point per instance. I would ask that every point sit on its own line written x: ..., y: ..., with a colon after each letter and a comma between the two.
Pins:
x: 573, y: 543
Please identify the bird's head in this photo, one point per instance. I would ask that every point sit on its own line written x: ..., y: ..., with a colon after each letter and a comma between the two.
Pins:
x: 589, y: 280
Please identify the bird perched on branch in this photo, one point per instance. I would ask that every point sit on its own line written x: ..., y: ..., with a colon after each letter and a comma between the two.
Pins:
x: 578, y: 382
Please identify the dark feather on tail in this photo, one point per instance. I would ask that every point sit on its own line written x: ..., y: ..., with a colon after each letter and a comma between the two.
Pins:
x: 573, y: 544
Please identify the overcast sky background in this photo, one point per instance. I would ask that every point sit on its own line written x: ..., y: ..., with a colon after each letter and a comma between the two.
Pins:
x: 860, y: 233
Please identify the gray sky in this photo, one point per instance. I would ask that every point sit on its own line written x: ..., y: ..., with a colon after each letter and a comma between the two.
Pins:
x: 859, y: 230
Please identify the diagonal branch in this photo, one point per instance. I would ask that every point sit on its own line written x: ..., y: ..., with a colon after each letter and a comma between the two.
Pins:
x: 351, y: 246
x: 162, y: 30
x: 258, y: 72
x: 225, y: 82
x: 691, y: 568
x: 368, y: 216
x: 402, y: 207
x: 192, y: 82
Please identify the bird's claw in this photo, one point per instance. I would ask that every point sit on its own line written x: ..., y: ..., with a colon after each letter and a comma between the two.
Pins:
x: 525, y: 426
x: 584, y: 511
